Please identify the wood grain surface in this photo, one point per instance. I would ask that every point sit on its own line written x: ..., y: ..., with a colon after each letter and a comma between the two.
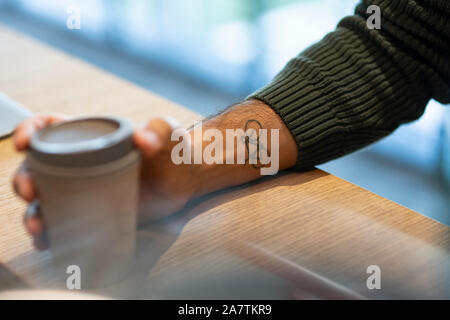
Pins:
x: 307, y: 235
x: 315, y: 221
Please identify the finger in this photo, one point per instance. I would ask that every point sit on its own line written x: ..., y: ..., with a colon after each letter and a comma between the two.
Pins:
x: 27, y: 128
x: 148, y: 142
x: 23, y: 184
x: 41, y: 242
x: 154, y: 136
x: 34, y: 226
x: 33, y: 221
x: 173, y: 123
x: 163, y: 127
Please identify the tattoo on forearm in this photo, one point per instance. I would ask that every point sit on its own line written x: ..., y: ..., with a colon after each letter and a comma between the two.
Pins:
x: 254, y: 139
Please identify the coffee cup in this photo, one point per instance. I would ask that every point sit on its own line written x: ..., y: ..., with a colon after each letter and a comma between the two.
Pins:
x: 86, y: 173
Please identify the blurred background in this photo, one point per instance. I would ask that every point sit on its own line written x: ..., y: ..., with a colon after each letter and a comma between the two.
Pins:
x: 207, y: 54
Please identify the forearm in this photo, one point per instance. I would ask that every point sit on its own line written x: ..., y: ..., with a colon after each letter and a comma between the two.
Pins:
x: 251, y: 114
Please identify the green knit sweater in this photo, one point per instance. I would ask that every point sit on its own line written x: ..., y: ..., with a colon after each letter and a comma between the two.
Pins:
x: 357, y: 85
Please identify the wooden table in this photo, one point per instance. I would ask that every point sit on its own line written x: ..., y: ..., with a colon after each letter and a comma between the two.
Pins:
x: 294, y: 235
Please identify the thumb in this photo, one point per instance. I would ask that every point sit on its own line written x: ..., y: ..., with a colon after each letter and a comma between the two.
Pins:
x: 154, y: 136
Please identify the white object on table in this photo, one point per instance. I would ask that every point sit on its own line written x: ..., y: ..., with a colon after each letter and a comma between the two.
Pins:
x: 11, y: 114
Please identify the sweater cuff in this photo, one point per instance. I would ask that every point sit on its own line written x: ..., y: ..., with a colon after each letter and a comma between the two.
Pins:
x: 311, y: 95
x: 297, y: 95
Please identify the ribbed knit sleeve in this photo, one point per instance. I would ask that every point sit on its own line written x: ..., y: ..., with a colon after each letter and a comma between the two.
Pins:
x: 357, y: 85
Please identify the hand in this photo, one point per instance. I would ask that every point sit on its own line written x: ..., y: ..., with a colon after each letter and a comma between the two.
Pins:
x: 165, y: 187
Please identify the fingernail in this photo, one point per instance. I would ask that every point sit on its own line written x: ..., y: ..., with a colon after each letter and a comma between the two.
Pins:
x: 150, y: 136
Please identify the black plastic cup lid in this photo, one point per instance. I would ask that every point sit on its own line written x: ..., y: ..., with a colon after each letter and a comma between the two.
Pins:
x: 83, y: 142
